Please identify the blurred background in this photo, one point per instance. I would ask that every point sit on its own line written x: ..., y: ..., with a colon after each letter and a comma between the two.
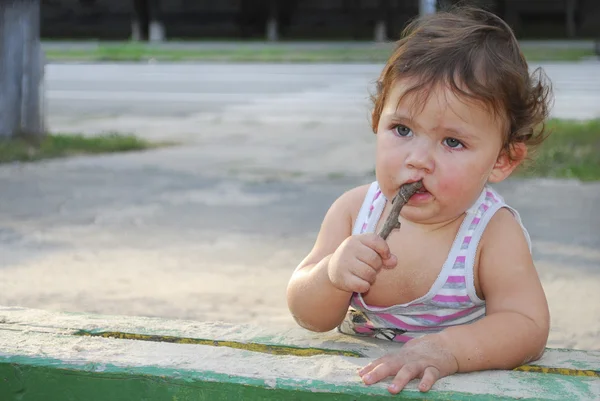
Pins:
x: 294, y: 19
x: 175, y: 158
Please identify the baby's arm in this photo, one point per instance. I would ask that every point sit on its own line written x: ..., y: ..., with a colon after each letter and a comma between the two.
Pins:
x: 310, y: 288
x: 340, y: 264
x: 515, y: 328
x: 513, y: 332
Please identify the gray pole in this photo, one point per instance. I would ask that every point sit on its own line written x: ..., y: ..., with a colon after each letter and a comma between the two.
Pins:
x: 12, y: 36
x: 21, y: 69
x: 380, y: 24
x: 273, y: 22
x: 426, y: 7
x: 156, y: 28
x: 32, y: 118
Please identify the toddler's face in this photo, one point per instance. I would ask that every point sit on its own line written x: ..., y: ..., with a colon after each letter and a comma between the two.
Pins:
x: 449, y: 143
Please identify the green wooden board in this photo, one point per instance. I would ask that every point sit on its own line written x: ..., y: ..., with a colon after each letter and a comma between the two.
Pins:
x: 47, y: 356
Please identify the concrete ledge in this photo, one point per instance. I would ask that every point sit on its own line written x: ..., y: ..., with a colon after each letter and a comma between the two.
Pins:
x: 47, y: 356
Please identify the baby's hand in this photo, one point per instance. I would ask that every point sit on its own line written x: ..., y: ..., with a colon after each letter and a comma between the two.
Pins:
x: 354, y: 265
x: 418, y: 358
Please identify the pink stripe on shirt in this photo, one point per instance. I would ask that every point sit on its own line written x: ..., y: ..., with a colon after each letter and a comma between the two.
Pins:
x: 402, y: 338
x: 456, y: 279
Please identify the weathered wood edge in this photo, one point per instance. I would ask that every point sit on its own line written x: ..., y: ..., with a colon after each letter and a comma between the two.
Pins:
x: 38, y: 327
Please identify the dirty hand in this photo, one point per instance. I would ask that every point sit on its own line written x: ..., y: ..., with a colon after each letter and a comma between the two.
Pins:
x: 353, y: 267
x: 419, y: 358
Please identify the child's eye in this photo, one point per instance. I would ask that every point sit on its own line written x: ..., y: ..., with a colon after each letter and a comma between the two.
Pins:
x: 453, y: 143
x: 402, y: 130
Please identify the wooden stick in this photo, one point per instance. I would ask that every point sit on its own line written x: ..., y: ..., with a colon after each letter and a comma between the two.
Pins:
x: 404, y: 194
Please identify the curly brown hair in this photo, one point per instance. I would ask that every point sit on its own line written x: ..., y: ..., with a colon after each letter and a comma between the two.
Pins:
x: 475, y: 54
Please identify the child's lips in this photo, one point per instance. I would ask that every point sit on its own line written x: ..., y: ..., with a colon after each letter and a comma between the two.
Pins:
x: 420, y: 196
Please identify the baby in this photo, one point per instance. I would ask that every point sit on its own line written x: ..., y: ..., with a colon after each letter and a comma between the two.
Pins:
x: 456, y: 109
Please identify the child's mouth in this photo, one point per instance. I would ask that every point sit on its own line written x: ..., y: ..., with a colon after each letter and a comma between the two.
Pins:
x: 422, y: 190
x: 421, y: 195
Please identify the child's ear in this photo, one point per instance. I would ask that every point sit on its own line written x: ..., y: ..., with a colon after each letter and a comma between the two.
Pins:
x: 506, y: 163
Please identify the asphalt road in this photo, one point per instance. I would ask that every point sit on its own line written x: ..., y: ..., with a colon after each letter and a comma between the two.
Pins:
x: 291, y: 91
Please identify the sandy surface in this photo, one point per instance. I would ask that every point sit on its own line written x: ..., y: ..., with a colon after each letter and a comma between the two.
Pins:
x: 218, y: 284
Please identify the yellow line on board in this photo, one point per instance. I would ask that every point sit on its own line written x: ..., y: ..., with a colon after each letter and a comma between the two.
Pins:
x: 254, y: 347
x: 558, y: 371
x: 297, y: 351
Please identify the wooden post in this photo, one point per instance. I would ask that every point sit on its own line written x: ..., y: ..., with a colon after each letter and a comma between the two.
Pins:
x: 272, y: 22
x: 11, y: 67
x: 156, y: 28
x: 32, y: 111
x: 21, y: 69
x: 381, y: 23
x: 426, y: 7
x: 140, y: 21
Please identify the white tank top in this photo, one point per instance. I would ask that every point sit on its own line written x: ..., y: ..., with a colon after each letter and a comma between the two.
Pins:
x: 451, y: 300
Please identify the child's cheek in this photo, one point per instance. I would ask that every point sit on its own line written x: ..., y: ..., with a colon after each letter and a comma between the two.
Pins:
x: 453, y: 185
x: 389, y: 165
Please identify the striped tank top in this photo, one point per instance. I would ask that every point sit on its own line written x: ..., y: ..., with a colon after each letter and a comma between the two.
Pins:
x: 451, y: 300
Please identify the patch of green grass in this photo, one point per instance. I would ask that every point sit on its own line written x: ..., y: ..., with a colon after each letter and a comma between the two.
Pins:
x: 556, y: 54
x: 572, y: 150
x: 279, y: 52
x: 59, y: 145
x: 133, y: 52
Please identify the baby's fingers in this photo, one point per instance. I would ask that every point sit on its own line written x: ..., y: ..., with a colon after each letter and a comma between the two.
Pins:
x: 391, y: 262
x: 407, y: 373
x: 430, y: 376
x: 376, y: 243
x: 357, y: 284
x: 378, y: 370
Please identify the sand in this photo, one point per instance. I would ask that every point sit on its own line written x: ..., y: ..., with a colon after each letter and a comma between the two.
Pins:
x: 236, y: 279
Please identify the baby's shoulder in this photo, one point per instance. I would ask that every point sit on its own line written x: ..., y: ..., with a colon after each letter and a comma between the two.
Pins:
x: 352, y: 200
x: 503, y: 227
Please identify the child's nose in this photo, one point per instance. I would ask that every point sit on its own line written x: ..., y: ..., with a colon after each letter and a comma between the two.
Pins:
x: 420, y: 156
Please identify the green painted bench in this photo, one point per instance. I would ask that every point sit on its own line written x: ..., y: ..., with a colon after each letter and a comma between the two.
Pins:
x: 66, y: 356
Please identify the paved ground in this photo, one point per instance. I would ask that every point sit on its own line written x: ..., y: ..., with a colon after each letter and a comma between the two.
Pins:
x: 91, y: 97
x: 212, y: 229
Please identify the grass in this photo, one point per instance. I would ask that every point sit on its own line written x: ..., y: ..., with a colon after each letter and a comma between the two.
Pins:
x: 572, y: 150
x: 554, y: 54
x: 60, y: 145
x: 268, y: 53
x: 139, y: 52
